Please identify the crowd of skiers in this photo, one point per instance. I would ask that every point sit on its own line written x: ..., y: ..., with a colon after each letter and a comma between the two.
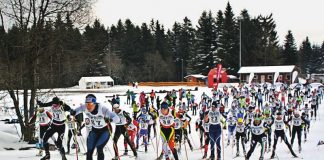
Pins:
x: 257, y: 114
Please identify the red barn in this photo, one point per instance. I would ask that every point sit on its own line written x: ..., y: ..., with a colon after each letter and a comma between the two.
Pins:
x: 212, y: 80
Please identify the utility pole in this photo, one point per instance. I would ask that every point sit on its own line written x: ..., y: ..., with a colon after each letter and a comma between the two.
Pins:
x: 181, y: 69
x: 240, y: 43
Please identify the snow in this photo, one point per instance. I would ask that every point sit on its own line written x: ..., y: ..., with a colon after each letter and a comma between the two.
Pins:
x: 10, y: 139
x: 196, y: 76
x: 267, y: 69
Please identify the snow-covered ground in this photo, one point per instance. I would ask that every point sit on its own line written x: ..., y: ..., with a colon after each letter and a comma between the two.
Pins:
x: 9, y: 136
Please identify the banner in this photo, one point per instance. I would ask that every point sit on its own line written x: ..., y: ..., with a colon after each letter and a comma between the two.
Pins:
x: 294, y: 76
x: 219, y: 70
x: 251, y: 76
x: 275, y: 77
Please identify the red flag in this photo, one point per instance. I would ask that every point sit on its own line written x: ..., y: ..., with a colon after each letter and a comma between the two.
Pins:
x: 219, y: 69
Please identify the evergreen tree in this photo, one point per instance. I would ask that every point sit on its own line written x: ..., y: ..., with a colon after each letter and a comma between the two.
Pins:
x: 249, y: 39
x: 187, y: 43
x: 96, y: 42
x: 206, y: 46
x: 290, y: 55
x: 229, y: 42
x: 269, y: 41
x: 305, y: 53
x: 316, y: 62
x: 321, y: 59
x: 161, y: 44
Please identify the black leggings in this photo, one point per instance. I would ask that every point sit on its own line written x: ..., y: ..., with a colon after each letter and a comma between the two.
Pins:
x: 121, y: 130
x: 71, y: 133
x: 254, y: 140
x: 281, y: 133
x: 238, y: 137
x: 59, y: 129
x: 296, y: 129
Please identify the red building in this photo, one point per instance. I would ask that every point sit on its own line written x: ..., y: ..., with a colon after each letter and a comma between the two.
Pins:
x: 212, y: 77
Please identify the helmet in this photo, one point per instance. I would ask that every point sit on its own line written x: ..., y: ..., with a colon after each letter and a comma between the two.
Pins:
x: 240, y: 120
x: 267, y: 112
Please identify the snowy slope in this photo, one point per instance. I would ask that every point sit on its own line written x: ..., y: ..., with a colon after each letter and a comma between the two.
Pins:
x: 9, y: 138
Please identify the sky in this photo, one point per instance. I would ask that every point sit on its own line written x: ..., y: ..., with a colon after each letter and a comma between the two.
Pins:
x: 302, y: 17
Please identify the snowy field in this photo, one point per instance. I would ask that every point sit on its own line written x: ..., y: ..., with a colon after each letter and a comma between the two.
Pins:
x: 9, y: 136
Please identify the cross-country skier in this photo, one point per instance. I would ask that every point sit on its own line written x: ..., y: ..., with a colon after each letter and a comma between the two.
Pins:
x: 43, y: 118
x: 268, y: 119
x: 143, y: 120
x: 121, y: 129
x: 71, y: 132
x: 58, y: 109
x: 100, y: 132
x: 166, y: 118
x: 297, y: 121
x: 132, y: 130
x: 215, y: 129
x: 205, y: 125
x: 240, y: 134
x: 257, y: 128
x: 280, y: 124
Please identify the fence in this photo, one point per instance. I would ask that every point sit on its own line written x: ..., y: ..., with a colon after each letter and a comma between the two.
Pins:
x: 172, y: 84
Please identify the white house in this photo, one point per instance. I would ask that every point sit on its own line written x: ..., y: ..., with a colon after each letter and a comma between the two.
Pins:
x: 269, y: 74
x: 96, y: 82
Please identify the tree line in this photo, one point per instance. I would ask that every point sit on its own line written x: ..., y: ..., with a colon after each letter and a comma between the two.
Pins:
x: 150, y: 52
x: 51, y: 44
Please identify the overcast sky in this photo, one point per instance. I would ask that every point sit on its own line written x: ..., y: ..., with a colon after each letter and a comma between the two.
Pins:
x: 303, y: 17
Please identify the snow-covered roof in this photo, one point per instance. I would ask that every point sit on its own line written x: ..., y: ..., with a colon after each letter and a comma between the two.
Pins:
x: 267, y: 69
x: 231, y: 76
x: 98, y: 79
x: 196, y: 76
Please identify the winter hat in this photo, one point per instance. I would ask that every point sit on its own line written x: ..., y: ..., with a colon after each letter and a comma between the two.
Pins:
x: 90, y: 98
x: 164, y: 105
x: 116, y: 106
x: 56, y: 100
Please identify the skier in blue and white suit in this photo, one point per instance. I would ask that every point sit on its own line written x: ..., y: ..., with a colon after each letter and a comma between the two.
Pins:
x: 215, y: 130
x: 101, y: 130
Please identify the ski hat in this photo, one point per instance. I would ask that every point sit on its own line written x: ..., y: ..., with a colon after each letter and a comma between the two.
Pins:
x: 164, y: 105
x: 116, y: 106
x: 56, y: 100
x: 90, y: 98
x: 240, y: 120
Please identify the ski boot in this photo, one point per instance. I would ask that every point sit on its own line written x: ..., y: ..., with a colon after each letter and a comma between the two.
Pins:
x: 68, y: 151
x: 237, y: 154
x: 299, y: 149
x: 294, y: 155
x: 62, y: 152
x: 145, y: 148
x: 212, y: 157
x: 205, y: 155
x: 272, y: 155
x: 40, y: 153
x: 46, y: 157
x: 125, y: 153
x: 160, y: 157
x: 261, y: 158
x: 115, y: 158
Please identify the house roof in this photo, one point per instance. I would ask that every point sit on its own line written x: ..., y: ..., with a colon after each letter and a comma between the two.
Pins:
x: 97, y: 79
x: 267, y: 69
x: 196, y: 76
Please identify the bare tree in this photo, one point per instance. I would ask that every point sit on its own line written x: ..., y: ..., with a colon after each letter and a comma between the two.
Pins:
x: 30, y: 17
